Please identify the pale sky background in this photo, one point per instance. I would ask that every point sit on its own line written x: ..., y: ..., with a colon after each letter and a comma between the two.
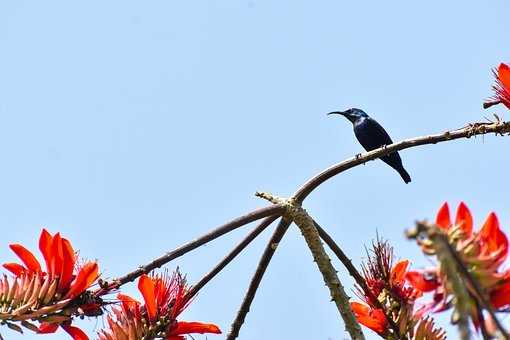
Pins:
x: 132, y: 127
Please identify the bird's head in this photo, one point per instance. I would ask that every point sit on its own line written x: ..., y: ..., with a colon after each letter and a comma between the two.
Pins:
x: 351, y: 114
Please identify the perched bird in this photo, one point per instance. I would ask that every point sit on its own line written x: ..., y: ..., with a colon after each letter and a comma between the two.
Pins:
x: 371, y: 136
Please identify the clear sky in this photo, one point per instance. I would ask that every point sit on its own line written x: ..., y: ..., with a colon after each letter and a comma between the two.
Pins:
x: 132, y: 127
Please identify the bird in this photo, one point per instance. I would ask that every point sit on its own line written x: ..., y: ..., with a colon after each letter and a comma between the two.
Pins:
x: 372, y: 135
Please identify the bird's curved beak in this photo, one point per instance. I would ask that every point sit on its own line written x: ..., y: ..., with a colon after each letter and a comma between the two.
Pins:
x: 336, y: 113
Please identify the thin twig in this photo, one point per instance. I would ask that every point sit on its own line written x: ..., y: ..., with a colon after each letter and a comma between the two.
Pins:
x: 466, y: 132
x: 225, y: 261
x: 360, y: 280
x: 257, y: 278
x: 481, y: 318
x: 187, y: 247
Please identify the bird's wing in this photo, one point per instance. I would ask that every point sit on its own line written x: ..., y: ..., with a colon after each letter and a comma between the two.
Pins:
x: 372, y: 135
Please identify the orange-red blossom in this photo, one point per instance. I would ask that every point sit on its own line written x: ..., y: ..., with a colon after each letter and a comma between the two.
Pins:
x: 501, y: 88
x: 389, y: 289
x: 62, y: 280
x: 482, y: 253
x: 389, y: 301
x: 165, y: 297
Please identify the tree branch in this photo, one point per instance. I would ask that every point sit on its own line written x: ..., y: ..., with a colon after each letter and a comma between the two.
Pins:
x: 481, y: 318
x: 360, y: 280
x: 497, y: 127
x: 305, y: 223
x: 223, y: 263
x: 187, y: 247
x: 257, y: 278
x: 474, y: 129
x: 466, y: 132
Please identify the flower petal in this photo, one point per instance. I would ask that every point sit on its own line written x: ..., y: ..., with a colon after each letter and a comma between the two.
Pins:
x: 87, y: 275
x: 464, y: 219
x: 48, y: 328
x: 398, y: 271
x: 492, y: 236
x: 68, y: 261
x: 15, y: 268
x: 419, y: 281
x: 45, y: 241
x: 371, y: 318
x: 57, y: 255
x: 75, y: 332
x: 360, y: 308
x: 128, y: 303
x: 184, y: 327
x: 443, y: 216
x: 27, y: 257
x: 504, y: 75
x: 146, y: 287
x: 501, y: 296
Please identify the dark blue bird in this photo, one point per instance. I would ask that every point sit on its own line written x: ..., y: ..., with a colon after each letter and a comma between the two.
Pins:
x: 371, y: 136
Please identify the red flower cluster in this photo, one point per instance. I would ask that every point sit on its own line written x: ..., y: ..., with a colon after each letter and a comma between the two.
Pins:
x: 49, y: 290
x: 501, y: 88
x: 482, y: 252
x: 387, y: 288
x: 368, y: 314
x: 165, y: 297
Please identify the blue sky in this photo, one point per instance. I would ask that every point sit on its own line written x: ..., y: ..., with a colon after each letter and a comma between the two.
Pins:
x: 134, y: 127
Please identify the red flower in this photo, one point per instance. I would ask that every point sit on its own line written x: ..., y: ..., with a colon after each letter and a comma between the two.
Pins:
x: 60, y: 261
x: 61, y: 283
x: 389, y: 301
x: 501, y: 88
x: 370, y: 317
x: 482, y: 252
x: 500, y: 296
x: 164, y: 299
x: 463, y: 218
x: 388, y: 286
x: 386, y: 295
x: 423, y: 280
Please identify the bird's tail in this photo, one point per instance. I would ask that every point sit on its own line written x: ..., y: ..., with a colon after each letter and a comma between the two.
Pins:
x: 405, y: 176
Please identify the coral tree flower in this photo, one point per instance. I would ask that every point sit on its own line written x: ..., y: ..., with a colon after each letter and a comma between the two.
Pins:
x: 501, y: 88
x: 386, y: 284
x: 482, y: 252
x: 165, y: 297
x: 387, y: 288
x: 370, y: 317
x: 38, y: 292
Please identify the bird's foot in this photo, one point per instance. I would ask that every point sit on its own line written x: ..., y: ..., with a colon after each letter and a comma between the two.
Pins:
x: 358, y: 157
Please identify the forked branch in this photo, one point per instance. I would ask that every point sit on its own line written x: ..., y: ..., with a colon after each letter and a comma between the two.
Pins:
x: 481, y: 128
